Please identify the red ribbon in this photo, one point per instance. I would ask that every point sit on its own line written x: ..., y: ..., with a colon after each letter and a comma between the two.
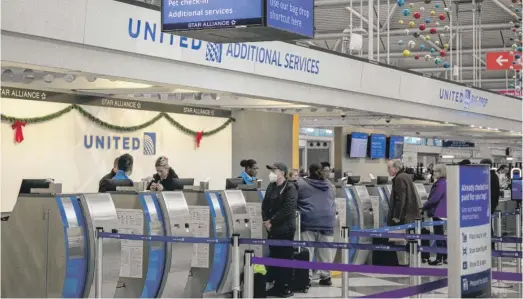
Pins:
x: 19, y: 134
x: 199, y: 137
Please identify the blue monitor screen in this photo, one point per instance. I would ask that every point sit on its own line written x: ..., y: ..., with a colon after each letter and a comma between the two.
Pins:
x: 378, y: 145
x: 296, y: 16
x: 516, y: 190
x: 358, y: 145
x: 396, y: 147
x: 210, y: 14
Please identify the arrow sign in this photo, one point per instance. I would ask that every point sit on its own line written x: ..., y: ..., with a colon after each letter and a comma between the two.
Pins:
x: 500, y: 61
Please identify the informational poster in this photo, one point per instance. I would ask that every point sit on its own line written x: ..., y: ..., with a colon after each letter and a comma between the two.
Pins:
x: 469, y: 248
x: 131, y: 221
x: 255, y: 215
x: 199, y: 223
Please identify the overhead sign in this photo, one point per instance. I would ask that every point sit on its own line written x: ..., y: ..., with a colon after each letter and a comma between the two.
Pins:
x: 500, y: 61
x: 466, y: 97
x: 210, y: 14
x: 511, y: 92
x: 295, y: 16
x: 469, y: 248
x: 456, y: 143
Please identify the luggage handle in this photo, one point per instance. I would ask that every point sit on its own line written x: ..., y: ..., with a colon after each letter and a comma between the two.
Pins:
x: 298, y: 228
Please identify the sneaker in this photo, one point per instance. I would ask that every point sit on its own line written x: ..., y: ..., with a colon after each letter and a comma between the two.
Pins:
x: 435, y: 262
x: 326, y: 282
x: 445, y: 262
x: 423, y: 261
x: 286, y: 292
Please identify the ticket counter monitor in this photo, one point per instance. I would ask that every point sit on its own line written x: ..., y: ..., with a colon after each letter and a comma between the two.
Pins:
x: 48, y: 247
x: 253, y: 195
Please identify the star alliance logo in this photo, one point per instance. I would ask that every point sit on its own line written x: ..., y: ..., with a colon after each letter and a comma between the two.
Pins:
x: 214, y: 52
x: 233, y: 22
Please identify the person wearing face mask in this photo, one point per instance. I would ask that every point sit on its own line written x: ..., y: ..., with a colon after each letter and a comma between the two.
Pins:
x: 250, y: 171
x: 279, y: 214
x: 504, y: 181
x: 164, y: 177
x: 328, y: 175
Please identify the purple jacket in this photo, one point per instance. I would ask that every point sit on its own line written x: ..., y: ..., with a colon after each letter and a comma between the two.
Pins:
x: 436, y: 205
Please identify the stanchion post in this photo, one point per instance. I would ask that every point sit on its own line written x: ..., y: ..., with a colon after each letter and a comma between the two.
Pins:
x: 414, y: 262
x: 236, y: 265
x: 418, y: 232
x: 345, y: 261
x: 99, y: 263
x: 248, y: 274
x: 518, y: 244
x: 298, y: 228
x: 499, y: 246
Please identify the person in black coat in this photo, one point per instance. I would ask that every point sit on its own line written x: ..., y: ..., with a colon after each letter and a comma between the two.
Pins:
x: 494, y: 191
x: 279, y: 218
x: 164, y: 177
x: 108, y: 176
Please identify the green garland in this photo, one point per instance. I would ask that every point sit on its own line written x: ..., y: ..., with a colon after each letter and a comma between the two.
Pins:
x: 85, y: 113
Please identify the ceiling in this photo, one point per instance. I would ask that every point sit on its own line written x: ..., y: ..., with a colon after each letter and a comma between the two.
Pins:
x: 495, y: 18
x: 24, y: 76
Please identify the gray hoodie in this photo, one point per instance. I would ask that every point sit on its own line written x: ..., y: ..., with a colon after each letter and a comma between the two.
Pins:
x: 316, y: 205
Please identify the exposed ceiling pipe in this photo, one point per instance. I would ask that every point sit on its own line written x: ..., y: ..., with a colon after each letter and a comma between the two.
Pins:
x: 401, y: 32
x: 467, y: 51
x: 439, y: 69
x: 505, y: 8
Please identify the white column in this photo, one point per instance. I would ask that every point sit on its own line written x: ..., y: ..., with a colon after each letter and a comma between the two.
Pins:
x: 370, y: 37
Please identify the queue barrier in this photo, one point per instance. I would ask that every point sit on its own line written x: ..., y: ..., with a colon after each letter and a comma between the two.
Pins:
x: 415, y: 272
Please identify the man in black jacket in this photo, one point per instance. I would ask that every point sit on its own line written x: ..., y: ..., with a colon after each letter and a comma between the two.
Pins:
x: 404, y: 207
x: 279, y: 217
x: 110, y: 175
x: 494, y: 191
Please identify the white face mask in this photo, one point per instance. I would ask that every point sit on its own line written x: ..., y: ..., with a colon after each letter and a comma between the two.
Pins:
x: 273, y: 177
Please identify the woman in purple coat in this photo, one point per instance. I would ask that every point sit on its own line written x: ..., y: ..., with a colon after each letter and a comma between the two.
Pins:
x: 436, y: 207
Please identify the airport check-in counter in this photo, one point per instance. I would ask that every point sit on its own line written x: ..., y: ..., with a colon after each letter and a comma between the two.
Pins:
x: 152, y: 269
x: 355, y: 210
x: 49, y: 245
x: 214, y: 214
x: 402, y: 256
x: 378, y: 193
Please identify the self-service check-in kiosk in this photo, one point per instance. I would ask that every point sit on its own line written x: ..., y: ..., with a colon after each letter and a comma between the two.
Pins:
x: 254, y: 196
x: 152, y: 269
x: 358, y: 215
x: 214, y: 214
x: 48, y: 247
x: 402, y: 256
x: 376, y: 191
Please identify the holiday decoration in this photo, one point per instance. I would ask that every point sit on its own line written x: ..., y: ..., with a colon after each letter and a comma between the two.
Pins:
x: 412, y: 24
x: 442, y: 53
x: 406, y: 53
x: 432, y: 13
x: 19, y: 134
x: 428, y: 1
x: 17, y: 123
x: 416, y: 15
x: 433, y: 30
x: 442, y: 17
x: 427, y: 20
x: 422, y: 27
x: 411, y: 44
x: 400, y: 3
x: 199, y: 137
x: 400, y: 22
x: 406, y: 12
x: 445, y: 46
x: 416, y: 57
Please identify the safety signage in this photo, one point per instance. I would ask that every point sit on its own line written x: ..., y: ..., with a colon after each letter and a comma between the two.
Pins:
x: 500, y: 61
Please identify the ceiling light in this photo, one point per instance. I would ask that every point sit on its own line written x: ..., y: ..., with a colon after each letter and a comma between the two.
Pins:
x: 90, y: 78
x: 447, y: 157
x: 510, y: 158
x: 310, y: 130
x: 472, y: 126
x: 328, y: 131
x: 315, y: 119
x: 69, y: 78
x: 197, y: 96
x: 48, y: 78
x: 8, y: 75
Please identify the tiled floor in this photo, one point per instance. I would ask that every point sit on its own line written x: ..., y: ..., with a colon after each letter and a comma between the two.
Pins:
x: 362, y: 285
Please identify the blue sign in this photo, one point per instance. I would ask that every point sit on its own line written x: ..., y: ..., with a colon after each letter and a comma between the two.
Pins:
x: 474, y: 214
x: 220, y: 53
x: 358, y: 145
x: 396, y: 147
x: 295, y: 16
x: 465, y: 97
x: 210, y: 14
x: 455, y: 143
x: 378, y: 144
x: 148, y: 143
x: 516, y: 191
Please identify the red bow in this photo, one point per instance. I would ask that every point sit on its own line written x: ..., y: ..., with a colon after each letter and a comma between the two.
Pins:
x: 19, y: 134
x: 199, y: 137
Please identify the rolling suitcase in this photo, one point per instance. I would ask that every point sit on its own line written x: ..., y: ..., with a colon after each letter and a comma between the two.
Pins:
x: 301, y: 282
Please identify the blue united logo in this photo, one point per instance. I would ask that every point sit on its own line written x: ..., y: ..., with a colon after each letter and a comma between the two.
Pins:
x: 149, y: 144
x: 213, y: 52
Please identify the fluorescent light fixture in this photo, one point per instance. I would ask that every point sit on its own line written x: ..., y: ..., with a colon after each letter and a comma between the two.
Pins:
x: 310, y: 130
x: 328, y: 131
x: 510, y: 158
x: 447, y: 157
x: 472, y: 126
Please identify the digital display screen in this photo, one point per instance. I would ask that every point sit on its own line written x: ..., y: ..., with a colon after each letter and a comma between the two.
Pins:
x: 210, y: 14
x: 516, y: 190
x: 396, y: 147
x: 378, y: 146
x: 295, y: 16
x: 358, y: 145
